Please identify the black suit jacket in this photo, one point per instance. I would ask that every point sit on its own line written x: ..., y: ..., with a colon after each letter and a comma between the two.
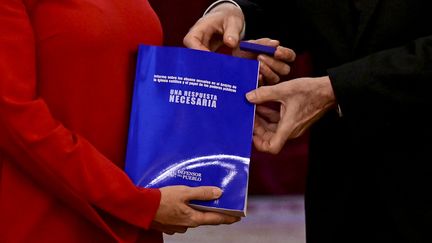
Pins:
x: 369, y: 175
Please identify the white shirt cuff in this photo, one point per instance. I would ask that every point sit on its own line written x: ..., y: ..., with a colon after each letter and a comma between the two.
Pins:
x: 339, y: 111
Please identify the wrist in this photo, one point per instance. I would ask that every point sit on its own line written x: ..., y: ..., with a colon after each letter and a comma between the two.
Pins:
x: 221, y: 3
x: 326, y: 91
x: 331, y: 96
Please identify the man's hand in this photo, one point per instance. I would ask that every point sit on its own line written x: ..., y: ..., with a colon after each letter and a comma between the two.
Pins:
x: 222, y: 25
x: 271, y: 67
x: 302, y: 102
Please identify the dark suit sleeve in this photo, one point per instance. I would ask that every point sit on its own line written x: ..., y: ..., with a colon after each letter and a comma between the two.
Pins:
x: 389, y: 86
x: 269, y: 19
x: 386, y: 99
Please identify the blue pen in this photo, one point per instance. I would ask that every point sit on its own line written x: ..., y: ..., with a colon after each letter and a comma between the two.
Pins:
x: 257, y: 48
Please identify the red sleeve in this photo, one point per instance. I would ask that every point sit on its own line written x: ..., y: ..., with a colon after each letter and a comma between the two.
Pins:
x: 55, y: 157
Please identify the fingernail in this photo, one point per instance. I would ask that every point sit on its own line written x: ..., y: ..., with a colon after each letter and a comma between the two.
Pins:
x: 217, y: 192
x: 250, y: 96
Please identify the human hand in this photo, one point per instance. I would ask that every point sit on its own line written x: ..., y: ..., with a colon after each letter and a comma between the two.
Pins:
x: 271, y: 67
x: 222, y: 25
x: 302, y: 102
x: 174, y: 215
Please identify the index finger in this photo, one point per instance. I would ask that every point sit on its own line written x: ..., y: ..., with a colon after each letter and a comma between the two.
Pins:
x: 195, y: 40
x: 203, y: 193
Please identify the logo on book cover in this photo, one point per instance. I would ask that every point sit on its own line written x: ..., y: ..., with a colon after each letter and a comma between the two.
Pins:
x: 203, y: 169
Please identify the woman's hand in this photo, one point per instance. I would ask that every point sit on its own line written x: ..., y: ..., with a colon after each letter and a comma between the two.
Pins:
x: 176, y: 216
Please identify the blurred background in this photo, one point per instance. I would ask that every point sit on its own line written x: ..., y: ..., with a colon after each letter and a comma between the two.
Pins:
x: 276, y: 184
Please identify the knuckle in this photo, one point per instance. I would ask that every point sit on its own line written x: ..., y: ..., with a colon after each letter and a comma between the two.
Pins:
x: 185, y: 211
x: 274, y: 149
x: 186, y: 39
x: 194, y: 222
x: 207, y: 193
x: 258, y: 93
x: 265, y: 91
x: 293, y: 55
x: 183, y: 189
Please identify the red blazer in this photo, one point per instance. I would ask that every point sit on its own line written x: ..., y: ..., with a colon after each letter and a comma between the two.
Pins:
x: 66, y: 73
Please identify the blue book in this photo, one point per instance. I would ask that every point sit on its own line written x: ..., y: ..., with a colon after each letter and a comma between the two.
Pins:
x: 191, y: 124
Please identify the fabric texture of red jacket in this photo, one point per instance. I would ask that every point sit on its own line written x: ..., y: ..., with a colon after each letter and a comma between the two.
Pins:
x: 66, y: 74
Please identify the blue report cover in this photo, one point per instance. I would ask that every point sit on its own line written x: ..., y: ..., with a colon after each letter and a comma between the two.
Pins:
x: 191, y: 124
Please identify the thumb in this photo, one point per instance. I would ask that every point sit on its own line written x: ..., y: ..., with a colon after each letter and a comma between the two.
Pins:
x: 203, y: 193
x: 261, y: 95
x: 233, y: 29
